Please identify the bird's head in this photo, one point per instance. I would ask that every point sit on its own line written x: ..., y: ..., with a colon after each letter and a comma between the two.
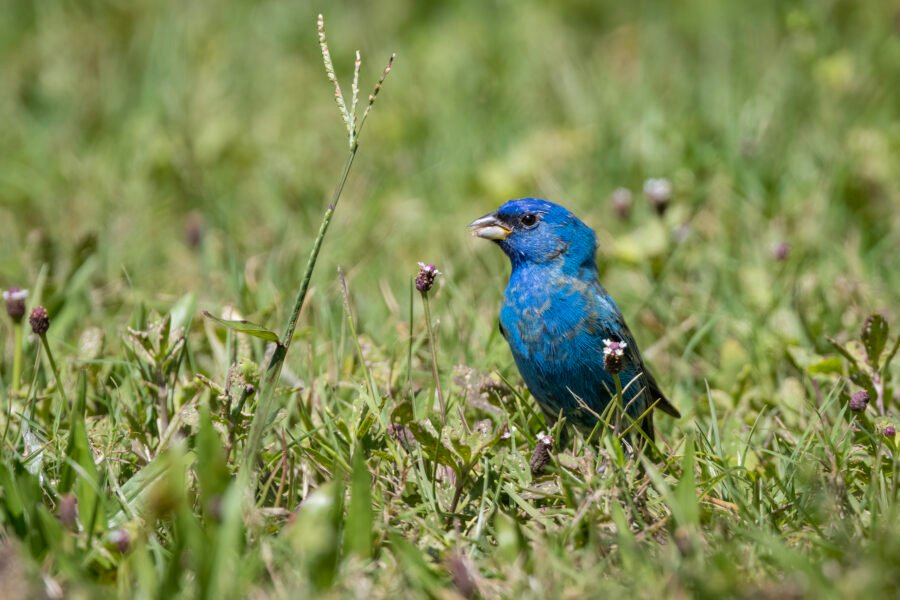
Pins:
x: 533, y: 231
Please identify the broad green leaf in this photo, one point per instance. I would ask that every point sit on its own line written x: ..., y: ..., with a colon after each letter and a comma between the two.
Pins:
x: 685, y: 492
x: 137, y: 490
x: 11, y: 501
x: 510, y: 540
x: 415, y: 566
x: 79, y: 474
x: 874, y: 337
x: 831, y: 365
x: 229, y: 543
x: 212, y: 470
x: 246, y: 327
x: 628, y: 547
x: 432, y: 447
x: 462, y: 450
x: 402, y: 413
x: 314, y: 534
x: 182, y: 312
x: 358, y: 528
x: 840, y: 348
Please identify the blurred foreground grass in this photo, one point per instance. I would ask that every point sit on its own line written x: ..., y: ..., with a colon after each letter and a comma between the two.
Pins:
x: 160, y: 158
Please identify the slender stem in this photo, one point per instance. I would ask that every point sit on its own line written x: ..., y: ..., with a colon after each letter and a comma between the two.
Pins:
x: 879, y: 392
x: 59, y: 383
x: 619, y: 402
x: 17, y: 359
x: 460, y: 485
x: 434, y: 363
x: 410, y: 347
x: 273, y: 370
x: 317, y: 245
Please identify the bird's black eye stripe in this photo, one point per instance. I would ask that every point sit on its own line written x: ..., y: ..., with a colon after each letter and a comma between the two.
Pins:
x: 529, y: 220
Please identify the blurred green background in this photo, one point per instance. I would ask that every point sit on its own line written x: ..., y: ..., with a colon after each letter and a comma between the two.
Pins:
x: 122, y: 119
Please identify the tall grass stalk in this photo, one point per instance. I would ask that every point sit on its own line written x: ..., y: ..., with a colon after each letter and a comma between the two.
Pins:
x: 265, y: 407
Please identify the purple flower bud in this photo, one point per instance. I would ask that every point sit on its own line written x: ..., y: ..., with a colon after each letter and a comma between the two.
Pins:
x: 890, y: 431
x: 541, y: 456
x: 425, y: 279
x: 659, y: 192
x: 402, y: 435
x: 461, y: 575
x: 214, y: 507
x: 68, y: 511
x: 193, y: 230
x: 781, y: 251
x: 40, y: 320
x: 15, y: 303
x: 121, y: 540
x: 859, y: 401
x: 621, y: 202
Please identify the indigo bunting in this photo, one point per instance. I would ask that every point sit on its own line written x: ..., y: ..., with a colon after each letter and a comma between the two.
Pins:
x: 566, y: 333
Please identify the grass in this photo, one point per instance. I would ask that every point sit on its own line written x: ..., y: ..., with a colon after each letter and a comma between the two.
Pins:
x: 160, y: 160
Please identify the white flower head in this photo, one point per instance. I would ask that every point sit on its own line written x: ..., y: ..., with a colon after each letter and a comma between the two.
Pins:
x: 614, y: 348
x: 15, y: 294
x: 658, y: 189
x: 429, y: 268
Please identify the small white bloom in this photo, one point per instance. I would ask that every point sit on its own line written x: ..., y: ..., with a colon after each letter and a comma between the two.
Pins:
x: 658, y: 189
x: 15, y: 294
x: 429, y: 268
x: 614, y: 348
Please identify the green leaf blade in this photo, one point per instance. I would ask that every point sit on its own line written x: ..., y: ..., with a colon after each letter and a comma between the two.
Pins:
x: 245, y: 327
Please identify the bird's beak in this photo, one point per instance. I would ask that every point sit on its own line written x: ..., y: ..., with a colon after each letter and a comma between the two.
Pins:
x: 490, y: 227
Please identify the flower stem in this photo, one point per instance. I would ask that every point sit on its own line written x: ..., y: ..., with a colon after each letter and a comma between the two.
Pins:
x: 619, y: 402
x: 59, y: 383
x: 17, y: 358
x: 434, y: 362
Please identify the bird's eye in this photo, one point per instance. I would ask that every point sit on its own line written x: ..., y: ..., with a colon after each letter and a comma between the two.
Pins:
x: 529, y: 220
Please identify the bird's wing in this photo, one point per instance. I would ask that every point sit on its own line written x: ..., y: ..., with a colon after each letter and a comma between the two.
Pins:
x: 620, y: 329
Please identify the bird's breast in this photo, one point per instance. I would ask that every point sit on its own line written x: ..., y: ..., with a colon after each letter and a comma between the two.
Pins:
x: 551, y: 319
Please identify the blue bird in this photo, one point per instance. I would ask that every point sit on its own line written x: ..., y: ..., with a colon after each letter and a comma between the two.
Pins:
x: 561, y: 324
